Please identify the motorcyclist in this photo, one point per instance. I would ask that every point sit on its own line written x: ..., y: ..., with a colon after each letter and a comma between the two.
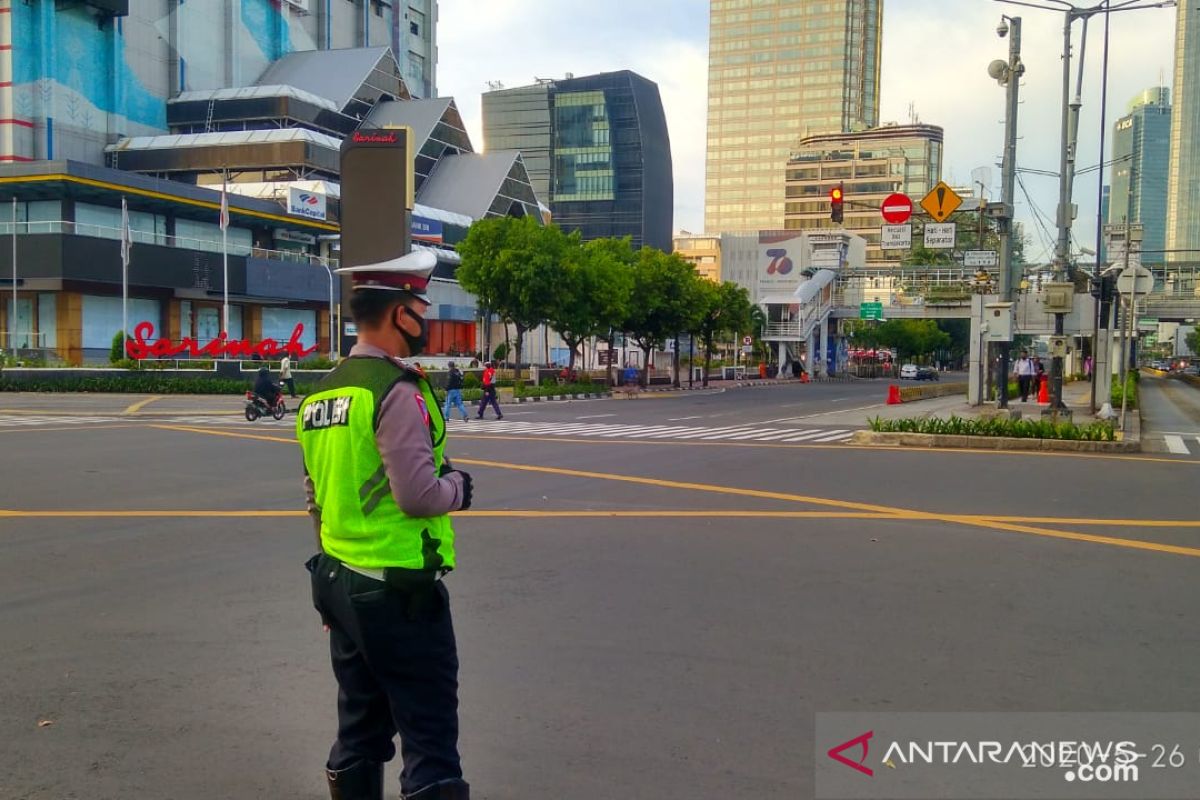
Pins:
x: 266, y: 388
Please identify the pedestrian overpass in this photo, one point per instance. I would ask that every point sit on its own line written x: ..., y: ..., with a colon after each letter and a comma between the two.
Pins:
x: 806, y: 320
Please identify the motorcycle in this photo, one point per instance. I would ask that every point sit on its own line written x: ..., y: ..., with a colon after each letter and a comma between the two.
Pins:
x: 257, y: 406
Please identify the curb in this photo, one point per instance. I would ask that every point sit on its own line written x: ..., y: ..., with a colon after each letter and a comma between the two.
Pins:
x: 558, y: 398
x: 937, y: 440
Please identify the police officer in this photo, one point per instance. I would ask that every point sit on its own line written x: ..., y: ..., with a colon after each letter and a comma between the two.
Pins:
x: 380, y: 490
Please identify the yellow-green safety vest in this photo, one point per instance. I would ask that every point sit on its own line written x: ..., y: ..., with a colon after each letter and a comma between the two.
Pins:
x: 361, y: 523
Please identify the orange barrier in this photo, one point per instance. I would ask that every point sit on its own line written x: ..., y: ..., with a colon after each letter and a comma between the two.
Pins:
x: 1044, y: 390
x: 893, y: 398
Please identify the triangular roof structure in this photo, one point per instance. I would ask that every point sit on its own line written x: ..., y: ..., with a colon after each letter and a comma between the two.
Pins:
x: 355, y: 79
x: 481, y: 184
x: 421, y: 115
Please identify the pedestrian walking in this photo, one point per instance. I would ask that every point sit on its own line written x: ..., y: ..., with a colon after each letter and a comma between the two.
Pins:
x: 1025, y: 369
x: 285, y: 374
x: 454, y: 386
x: 380, y: 491
x: 489, y: 391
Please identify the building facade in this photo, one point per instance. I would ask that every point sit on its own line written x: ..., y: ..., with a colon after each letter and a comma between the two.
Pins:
x: 87, y: 73
x: 869, y: 165
x: 414, y: 43
x: 1183, y: 195
x: 702, y: 252
x: 780, y: 71
x: 270, y: 150
x: 601, y: 145
x: 1141, y: 164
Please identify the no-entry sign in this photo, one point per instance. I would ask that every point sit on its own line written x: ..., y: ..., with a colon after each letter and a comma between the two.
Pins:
x: 897, y: 208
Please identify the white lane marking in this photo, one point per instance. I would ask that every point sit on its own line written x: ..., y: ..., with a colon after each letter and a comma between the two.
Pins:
x: 1176, y: 445
x: 729, y: 433
x: 595, y: 416
x: 681, y: 419
x: 806, y: 436
x: 833, y: 436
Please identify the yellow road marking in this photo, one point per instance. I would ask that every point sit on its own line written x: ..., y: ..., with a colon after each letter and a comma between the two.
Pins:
x: 890, y: 511
x: 231, y: 434
x: 643, y: 514
x: 82, y: 426
x: 140, y: 404
x: 670, y: 442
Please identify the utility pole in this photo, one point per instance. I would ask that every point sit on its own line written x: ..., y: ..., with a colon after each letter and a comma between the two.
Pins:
x: 1070, y: 131
x: 1011, y: 79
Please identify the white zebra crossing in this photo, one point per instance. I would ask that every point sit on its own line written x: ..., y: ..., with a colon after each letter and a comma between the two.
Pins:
x: 34, y: 420
x: 596, y: 430
x: 1179, y: 445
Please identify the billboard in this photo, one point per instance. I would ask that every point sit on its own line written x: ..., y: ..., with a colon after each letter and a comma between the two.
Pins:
x: 426, y: 230
x: 781, y: 256
x: 310, y: 205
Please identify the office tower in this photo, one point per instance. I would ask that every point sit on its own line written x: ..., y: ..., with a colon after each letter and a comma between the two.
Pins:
x: 1183, y: 195
x: 778, y: 71
x: 599, y: 145
x: 869, y: 165
x: 1141, y: 163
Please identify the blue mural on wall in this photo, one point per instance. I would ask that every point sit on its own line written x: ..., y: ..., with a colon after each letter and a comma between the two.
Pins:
x: 80, y: 56
x: 266, y: 23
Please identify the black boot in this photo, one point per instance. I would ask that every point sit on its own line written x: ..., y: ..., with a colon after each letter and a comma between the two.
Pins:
x: 363, y: 781
x: 453, y: 789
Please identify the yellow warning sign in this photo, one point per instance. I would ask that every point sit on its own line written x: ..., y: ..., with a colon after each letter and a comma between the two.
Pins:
x: 941, y: 202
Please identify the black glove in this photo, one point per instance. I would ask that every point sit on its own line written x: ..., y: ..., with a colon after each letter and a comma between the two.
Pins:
x: 468, y: 484
x: 468, y: 489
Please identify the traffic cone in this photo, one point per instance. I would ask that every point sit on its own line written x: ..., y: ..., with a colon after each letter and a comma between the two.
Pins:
x: 1043, y: 390
x: 804, y: 377
x: 893, y: 395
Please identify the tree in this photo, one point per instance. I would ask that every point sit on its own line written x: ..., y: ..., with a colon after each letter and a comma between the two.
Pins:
x: 912, y: 337
x: 1193, y: 341
x: 513, y: 266
x: 724, y: 307
x: 592, y: 296
x: 661, y: 301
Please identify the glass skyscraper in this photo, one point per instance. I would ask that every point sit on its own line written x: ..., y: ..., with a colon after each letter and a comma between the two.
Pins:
x: 780, y: 71
x: 1183, y: 195
x: 597, y: 150
x: 1141, y: 150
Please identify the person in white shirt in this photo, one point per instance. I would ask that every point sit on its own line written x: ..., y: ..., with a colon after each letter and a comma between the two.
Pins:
x: 1025, y: 369
x: 285, y: 375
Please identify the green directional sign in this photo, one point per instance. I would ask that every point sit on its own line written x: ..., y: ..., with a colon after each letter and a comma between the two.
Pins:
x: 870, y: 311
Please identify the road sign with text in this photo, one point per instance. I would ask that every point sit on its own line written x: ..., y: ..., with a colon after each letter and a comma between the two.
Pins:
x: 895, y: 237
x: 981, y: 258
x: 870, y: 311
x: 940, y: 236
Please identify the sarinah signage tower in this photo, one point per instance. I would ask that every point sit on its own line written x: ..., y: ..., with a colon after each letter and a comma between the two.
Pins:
x: 377, y: 201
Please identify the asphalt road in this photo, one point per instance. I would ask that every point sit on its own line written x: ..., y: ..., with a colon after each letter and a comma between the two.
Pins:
x: 1170, y: 415
x: 646, y: 619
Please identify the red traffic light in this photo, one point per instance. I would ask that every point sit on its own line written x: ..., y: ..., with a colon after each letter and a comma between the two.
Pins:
x: 835, y: 194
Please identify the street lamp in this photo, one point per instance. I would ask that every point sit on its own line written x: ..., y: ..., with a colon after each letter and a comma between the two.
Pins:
x: 1070, y: 132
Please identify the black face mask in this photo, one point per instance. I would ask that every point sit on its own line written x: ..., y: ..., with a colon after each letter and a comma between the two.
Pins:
x: 416, y: 344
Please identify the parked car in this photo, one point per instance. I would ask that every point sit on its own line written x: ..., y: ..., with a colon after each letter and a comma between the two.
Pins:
x: 909, y: 372
x: 928, y: 374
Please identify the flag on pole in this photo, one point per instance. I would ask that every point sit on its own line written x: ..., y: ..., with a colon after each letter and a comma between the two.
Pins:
x: 224, y: 208
x: 126, y: 233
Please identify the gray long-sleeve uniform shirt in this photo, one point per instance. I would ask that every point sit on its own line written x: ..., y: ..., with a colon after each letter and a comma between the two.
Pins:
x: 407, y: 450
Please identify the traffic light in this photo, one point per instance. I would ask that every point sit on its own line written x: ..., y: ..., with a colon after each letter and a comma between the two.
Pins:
x: 836, y: 200
x: 1104, y: 287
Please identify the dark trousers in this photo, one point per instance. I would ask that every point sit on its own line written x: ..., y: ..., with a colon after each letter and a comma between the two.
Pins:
x: 291, y: 384
x: 1024, y: 382
x: 396, y: 664
x: 489, y: 398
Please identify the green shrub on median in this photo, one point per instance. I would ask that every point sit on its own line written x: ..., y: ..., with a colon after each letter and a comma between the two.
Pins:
x: 998, y: 426
x: 1131, y: 384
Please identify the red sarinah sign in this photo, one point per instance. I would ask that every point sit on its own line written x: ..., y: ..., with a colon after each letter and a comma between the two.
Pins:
x: 140, y: 346
x: 373, y: 138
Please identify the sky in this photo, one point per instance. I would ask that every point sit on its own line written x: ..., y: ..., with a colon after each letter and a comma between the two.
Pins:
x: 935, y: 58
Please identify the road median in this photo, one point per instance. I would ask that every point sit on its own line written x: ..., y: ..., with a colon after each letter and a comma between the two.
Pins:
x: 957, y: 442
